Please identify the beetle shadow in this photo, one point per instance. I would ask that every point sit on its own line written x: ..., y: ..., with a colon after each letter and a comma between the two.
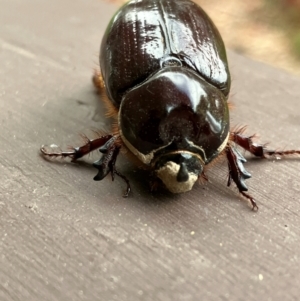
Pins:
x: 213, y: 193
x: 97, y: 109
x: 141, y: 194
x: 141, y: 187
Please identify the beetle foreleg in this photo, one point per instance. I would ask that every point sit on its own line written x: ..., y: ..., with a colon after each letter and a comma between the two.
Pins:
x: 106, y: 164
x: 258, y: 150
x: 238, y: 173
x: 76, y: 152
x: 246, y: 142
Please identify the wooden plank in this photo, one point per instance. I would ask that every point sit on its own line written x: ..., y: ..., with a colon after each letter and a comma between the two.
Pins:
x: 66, y: 237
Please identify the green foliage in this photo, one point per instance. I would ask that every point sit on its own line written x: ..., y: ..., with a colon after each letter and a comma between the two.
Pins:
x: 285, y: 15
x: 296, y: 44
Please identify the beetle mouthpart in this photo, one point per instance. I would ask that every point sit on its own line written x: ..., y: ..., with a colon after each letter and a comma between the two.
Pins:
x: 180, y: 172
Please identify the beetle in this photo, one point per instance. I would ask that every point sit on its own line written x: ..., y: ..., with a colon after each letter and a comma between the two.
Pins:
x: 165, y: 78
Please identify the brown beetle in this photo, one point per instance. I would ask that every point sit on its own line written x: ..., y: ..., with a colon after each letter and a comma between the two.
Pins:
x: 166, y: 80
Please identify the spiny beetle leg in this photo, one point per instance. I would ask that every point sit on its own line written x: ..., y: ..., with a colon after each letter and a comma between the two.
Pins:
x: 258, y: 150
x: 77, y: 152
x: 238, y: 173
x: 106, y: 164
x: 249, y: 197
x: 128, y: 188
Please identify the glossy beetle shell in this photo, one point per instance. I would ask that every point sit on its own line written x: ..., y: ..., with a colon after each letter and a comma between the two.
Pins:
x: 164, y: 67
x: 144, y: 34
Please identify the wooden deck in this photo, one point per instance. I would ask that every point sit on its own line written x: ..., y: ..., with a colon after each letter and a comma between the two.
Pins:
x: 65, y: 237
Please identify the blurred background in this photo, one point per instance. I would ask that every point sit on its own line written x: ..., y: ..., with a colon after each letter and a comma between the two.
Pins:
x: 265, y: 30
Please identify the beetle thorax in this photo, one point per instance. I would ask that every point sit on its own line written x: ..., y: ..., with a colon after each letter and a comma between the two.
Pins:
x: 176, y: 123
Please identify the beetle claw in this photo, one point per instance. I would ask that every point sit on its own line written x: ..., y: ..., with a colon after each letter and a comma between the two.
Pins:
x: 128, y: 188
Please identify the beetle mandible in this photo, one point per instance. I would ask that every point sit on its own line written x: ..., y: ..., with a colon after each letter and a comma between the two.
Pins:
x: 166, y: 79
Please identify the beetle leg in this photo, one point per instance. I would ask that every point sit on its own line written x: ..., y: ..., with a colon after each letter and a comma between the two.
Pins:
x: 128, y: 188
x: 258, y: 150
x: 76, y: 152
x: 106, y: 164
x: 203, y: 177
x: 238, y: 173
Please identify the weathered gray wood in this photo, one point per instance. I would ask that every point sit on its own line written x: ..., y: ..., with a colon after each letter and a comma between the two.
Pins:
x: 65, y: 237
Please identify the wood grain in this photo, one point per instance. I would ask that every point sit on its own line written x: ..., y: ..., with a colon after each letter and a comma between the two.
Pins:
x: 66, y: 237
